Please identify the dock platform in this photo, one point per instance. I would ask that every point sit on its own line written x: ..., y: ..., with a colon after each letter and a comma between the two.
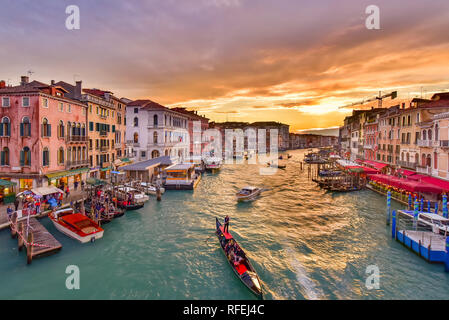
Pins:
x: 428, y: 245
x: 37, y: 241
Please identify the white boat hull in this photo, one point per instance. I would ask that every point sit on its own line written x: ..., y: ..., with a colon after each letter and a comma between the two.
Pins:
x: 73, y: 235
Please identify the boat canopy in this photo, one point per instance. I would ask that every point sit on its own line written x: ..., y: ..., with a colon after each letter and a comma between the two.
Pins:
x: 406, y: 184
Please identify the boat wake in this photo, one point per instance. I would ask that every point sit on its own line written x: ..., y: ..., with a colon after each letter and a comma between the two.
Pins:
x: 311, y: 291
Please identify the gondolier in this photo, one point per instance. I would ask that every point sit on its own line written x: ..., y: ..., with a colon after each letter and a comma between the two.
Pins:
x: 226, y: 225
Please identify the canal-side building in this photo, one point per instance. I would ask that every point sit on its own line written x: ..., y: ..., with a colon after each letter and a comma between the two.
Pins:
x: 371, y: 137
x: 105, y: 126
x: 153, y: 130
x: 388, y: 149
x: 197, y: 143
x: 42, y: 140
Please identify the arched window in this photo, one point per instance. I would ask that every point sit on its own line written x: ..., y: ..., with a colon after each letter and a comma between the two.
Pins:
x: 46, y: 128
x: 45, y: 157
x: 155, y: 137
x: 61, y: 155
x: 416, y: 158
x: 435, y: 160
x: 69, y: 128
x: 429, y: 134
x: 424, y: 135
x: 84, y: 153
x: 25, y: 157
x: 136, y: 122
x: 437, y: 132
x: 155, y: 120
x: 25, y: 127
x: 429, y: 161
x: 83, y: 129
x: 423, y: 160
x: 136, y: 137
x: 61, y: 129
x: 5, y: 156
x: 69, y: 154
x: 5, y: 127
x: 155, y: 154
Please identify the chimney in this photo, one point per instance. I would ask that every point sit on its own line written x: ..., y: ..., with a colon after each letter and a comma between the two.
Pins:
x: 24, y: 80
x: 77, y: 94
x: 52, y: 82
x: 2, y: 84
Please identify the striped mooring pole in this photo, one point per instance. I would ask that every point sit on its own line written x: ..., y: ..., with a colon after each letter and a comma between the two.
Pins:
x: 410, y: 201
x: 446, y: 261
x: 388, y: 207
x: 445, y: 205
x: 393, y: 225
x: 415, y: 215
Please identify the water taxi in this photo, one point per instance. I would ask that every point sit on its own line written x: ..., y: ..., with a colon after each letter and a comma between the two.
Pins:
x: 248, y: 193
x: 138, y: 197
x: 150, y: 188
x: 76, y: 225
x: 181, y: 176
x: 213, y: 164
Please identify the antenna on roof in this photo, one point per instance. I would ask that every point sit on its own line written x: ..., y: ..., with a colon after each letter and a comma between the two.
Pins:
x: 30, y: 72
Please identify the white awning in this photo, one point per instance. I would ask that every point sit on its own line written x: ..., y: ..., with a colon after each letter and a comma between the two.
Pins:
x: 43, y: 191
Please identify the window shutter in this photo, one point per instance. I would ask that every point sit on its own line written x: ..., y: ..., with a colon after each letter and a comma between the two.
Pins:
x: 113, y: 128
x: 8, y: 129
x: 62, y: 131
x: 1, y: 129
x: 29, y: 157
x: 42, y: 130
x: 29, y: 129
x: 22, y: 157
x: 21, y: 130
x: 3, y: 158
x: 49, y: 129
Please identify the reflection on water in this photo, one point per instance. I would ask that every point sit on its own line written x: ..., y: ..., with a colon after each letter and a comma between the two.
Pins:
x: 304, y: 243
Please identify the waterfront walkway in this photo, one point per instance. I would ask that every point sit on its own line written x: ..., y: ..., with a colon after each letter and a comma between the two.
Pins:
x: 74, y: 196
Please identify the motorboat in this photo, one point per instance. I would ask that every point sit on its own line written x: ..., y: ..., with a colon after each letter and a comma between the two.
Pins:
x: 248, y: 193
x: 76, y: 225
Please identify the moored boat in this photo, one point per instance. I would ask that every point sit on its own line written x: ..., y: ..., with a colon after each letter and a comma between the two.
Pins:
x: 76, y: 225
x: 212, y: 164
x: 151, y: 189
x: 243, y: 270
x: 125, y: 192
x: 248, y: 193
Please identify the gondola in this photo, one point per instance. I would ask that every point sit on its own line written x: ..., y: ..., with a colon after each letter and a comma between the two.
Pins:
x: 244, y: 271
x: 129, y: 206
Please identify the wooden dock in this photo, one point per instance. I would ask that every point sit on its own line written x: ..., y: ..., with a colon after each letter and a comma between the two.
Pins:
x: 32, y: 235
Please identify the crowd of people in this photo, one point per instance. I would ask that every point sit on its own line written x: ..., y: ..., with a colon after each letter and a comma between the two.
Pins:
x: 33, y: 205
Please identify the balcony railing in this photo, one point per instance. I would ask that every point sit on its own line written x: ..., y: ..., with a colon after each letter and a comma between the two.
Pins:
x: 428, y: 143
x: 76, y: 138
x: 406, y: 164
x: 425, y: 170
x: 77, y: 163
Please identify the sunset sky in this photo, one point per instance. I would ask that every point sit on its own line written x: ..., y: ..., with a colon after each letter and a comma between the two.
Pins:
x: 239, y: 60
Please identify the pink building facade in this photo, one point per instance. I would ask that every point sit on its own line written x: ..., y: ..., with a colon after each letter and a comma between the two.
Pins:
x: 42, y: 135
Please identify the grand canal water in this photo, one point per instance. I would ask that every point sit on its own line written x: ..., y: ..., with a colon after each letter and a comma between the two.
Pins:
x: 304, y: 243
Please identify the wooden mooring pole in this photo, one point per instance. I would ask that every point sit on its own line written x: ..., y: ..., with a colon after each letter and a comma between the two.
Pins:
x: 19, y: 238
x: 30, y: 247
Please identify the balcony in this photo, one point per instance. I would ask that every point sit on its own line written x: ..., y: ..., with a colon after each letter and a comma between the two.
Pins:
x: 444, y: 143
x: 406, y: 164
x: 117, y: 146
x: 76, y: 138
x: 104, y: 148
x: 425, y: 170
x: 428, y: 143
x: 77, y: 163
x: 103, y: 133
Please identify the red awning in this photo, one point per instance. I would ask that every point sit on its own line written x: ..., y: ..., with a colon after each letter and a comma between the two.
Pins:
x: 370, y: 170
x: 407, y: 173
x: 408, y: 184
x: 444, y: 185
x: 375, y: 164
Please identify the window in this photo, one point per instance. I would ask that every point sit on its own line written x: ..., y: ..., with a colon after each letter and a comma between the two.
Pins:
x: 25, y: 102
x: 5, y: 157
x: 91, y: 126
x: 45, y: 157
x: 61, y: 106
x: 25, y: 157
x: 45, y: 102
x: 136, y: 137
x: 61, y: 155
x: 155, y: 137
x: 155, y: 120
x: 69, y: 108
x: 46, y: 128
x: 136, y: 110
x: 5, y: 127
x: 90, y: 108
x: 143, y: 154
x: 61, y: 129
x: 136, y: 122
x: 25, y: 127
x: 5, y: 102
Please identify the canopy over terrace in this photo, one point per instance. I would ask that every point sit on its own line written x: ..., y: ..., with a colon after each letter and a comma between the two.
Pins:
x: 407, y: 185
x: 43, y: 191
x: 374, y: 164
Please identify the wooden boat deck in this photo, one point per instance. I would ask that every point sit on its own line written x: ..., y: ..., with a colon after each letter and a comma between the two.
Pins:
x: 428, y: 245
